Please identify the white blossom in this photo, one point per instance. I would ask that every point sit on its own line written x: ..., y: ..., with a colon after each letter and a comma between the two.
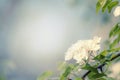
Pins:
x: 82, y: 50
x: 117, y: 11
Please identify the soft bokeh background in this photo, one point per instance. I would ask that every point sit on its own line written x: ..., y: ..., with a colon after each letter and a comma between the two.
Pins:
x: 35, y: 34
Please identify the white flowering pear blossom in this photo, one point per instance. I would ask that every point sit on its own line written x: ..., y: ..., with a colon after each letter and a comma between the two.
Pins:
x: 83, y: 49
x: 117, y: 11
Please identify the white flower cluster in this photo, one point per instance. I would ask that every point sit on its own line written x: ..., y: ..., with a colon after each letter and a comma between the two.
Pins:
x: 83, y: 49
x: 117, y: 11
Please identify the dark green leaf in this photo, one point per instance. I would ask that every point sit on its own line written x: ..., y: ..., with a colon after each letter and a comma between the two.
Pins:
x: 96, y: 76
x: 106, y: 5
x: 91, y: 76
x: 111, y: 5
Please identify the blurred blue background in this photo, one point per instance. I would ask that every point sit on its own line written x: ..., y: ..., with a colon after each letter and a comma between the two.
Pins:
x: 35, y: 34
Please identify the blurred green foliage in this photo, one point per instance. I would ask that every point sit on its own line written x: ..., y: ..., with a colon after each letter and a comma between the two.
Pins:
x: 45, y: 75
x: 106, y: 5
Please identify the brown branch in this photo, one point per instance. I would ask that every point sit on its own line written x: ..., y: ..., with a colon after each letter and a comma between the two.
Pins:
x: 100, y: 66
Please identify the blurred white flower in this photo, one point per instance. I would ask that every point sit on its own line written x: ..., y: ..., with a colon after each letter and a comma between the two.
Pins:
x: 117, y: 11
x: 83, y: 49
x: 115, y: 68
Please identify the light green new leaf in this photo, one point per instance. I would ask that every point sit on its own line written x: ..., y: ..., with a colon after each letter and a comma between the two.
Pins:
x: 45, y: 75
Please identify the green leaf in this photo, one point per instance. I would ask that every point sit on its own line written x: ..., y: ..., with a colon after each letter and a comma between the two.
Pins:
x: 96, y: 76
x: 45, y: 75
x: 100, y: 4
x: 106, y: 55
x: 91, y: 76
x: 115, y: 30
x: 63, y: 78
x: 67, y: 72
x: 115, y: 42
x: 101, y: 78
x: 111, y: 5
x: 109, y: 57
x: 106, y: 5
x: 108, y: 78
x: 101, y: 56
x: 112, y: 45
x: 115, y: 49
x: 78, y: 78
x: 89, y: 67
